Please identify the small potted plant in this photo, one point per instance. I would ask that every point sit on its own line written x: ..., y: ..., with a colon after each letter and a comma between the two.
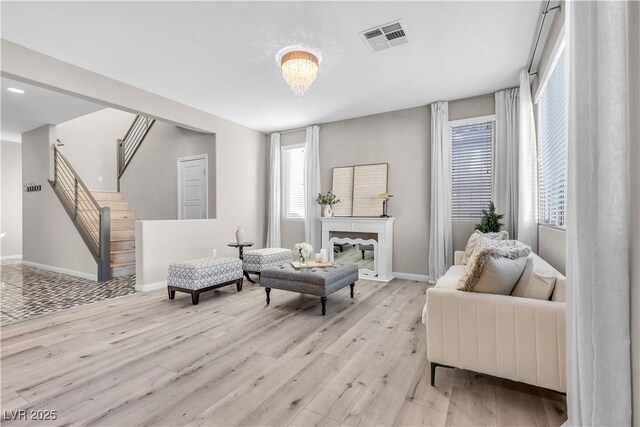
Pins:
x: 327, y: 201
x: 490, y: 222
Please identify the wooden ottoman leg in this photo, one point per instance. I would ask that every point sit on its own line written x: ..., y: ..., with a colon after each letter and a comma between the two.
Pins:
x: 323, y: 300
x: 248, y: 278
x: 195, y: 296
x: 352, y: 285
x: 239, y: 285
x: 268, y: 290
x: 172, y: 293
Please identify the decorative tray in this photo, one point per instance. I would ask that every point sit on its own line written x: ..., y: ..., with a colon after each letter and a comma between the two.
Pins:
x: 311, y: 264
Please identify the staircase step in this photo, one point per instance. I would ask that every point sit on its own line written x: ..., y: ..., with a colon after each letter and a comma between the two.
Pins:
x: 122, y: 245
x: 124, y: 269
x: 123, y: 224
x: 122, y: 214
x: 120, y: 257
x: 123, y: 234
x: 106, y: 196
x: 114, y: 204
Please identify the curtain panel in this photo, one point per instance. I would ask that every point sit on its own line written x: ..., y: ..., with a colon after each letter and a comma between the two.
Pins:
x: 312, y: 225
x: 273, y: 212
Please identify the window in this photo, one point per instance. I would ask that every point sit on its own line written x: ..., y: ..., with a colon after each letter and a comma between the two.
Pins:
x: 552, y: 158
x: 471, y: 166
x: 293, y: 181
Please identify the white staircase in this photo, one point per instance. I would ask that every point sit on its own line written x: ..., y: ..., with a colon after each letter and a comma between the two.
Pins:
x: 123, y: 239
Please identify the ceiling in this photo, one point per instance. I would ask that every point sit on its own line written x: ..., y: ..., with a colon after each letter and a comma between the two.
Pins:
x: 36, y: 107
x: 221, y: 56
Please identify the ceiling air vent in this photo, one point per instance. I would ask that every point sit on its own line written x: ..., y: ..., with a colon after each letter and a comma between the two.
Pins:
x: 384, y: 36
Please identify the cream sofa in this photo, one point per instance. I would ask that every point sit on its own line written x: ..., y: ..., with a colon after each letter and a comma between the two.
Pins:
x: 520, y: 339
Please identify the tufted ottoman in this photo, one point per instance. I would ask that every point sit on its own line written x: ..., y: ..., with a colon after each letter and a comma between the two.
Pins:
x: 254, y: 261
x: 319, y: 281
x: 200, y: 275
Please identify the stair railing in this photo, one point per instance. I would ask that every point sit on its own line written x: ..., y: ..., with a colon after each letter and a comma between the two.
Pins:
x: 128, y: 146
x: 92, y: 221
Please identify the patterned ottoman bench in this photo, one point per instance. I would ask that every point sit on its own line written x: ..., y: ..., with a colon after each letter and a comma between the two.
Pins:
x: 319, y: 281
x: 200, y: 275
x: 254, y: 261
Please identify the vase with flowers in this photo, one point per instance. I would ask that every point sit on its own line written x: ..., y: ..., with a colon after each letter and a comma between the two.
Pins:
x: 327, y: 201
x: 303, y: 250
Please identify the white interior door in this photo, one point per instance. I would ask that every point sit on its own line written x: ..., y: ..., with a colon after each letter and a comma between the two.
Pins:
x: 192, y: 187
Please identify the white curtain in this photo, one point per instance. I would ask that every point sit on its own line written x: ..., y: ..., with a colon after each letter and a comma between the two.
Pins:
x: 273, y: 214
x: 598, y: 222
x: 312, y: 188
x: 505, y: 183
x: 440, y: 234
x: 527, y: 231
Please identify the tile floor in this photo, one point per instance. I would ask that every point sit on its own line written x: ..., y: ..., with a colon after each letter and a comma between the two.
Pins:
x: 27, y: 292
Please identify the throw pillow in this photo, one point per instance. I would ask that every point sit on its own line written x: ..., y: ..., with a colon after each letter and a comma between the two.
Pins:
x: 475, y: 238
x: 539, y: 286
x: 499, y: 275
x: 486, y: 249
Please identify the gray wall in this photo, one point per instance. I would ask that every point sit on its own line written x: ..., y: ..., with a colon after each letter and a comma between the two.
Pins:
x: 552, y: 247
x: 401, y: 139
x: 49, y: 237
x: 11, y: 154
x: 150, y: 183
x: 634, y: 158
x: 90, y: 145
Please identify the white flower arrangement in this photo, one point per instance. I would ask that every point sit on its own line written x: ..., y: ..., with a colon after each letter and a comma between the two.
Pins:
x: 303, y: 250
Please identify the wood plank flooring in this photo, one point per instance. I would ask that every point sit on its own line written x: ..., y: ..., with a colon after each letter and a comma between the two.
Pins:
x: 232, y: 360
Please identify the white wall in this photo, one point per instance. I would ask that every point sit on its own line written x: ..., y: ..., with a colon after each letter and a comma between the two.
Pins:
x: 241, y: 172
x: 552, y: 247
x: 90, y: 145
x: 49, y: 238
x: 11, y: 154
x: 150, y: 182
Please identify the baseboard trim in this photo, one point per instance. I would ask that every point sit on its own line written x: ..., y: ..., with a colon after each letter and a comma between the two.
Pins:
x: 9, y: 257
x: 75, y: 273
x: 411, y: 276
x: 150, y: 286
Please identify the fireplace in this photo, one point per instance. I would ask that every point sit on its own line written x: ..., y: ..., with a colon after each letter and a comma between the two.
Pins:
x: 367, y: 242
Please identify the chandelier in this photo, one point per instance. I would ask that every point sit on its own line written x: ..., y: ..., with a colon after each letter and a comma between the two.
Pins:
x: 299, y: 70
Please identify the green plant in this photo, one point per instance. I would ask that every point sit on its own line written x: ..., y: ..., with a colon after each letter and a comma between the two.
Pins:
x: 490, y: 222
x: 327, y: 199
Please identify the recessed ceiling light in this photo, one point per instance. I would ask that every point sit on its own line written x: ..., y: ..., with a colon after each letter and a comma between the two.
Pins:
x: 15, y: 90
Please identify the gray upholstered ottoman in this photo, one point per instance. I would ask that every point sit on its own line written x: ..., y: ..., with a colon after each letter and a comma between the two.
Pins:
x: 204, y: 274
x: 319, y: 281
x: 254, y: 261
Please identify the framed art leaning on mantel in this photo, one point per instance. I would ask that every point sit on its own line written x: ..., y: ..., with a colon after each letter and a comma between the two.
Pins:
x: 358, y: 188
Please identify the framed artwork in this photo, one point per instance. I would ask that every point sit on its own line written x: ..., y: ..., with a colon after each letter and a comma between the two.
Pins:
x: 343, y: 189
x: 358, y: 188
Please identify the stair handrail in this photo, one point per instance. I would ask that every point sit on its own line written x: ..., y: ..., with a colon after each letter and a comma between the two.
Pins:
x: 128, y: 146
x: 85, y: 212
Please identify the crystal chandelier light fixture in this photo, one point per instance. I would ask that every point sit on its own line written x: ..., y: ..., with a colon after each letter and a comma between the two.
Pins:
x: 299, y: 69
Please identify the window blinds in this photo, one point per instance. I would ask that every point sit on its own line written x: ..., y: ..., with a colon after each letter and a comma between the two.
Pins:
x: 471, y: 169
x: 293, y: 182
x: 552, y: 158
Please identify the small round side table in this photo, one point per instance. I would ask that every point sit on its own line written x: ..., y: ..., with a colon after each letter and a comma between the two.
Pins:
x: 241, y: 247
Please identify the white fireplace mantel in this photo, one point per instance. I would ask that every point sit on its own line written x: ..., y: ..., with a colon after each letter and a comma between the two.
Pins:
x: 383, y: 249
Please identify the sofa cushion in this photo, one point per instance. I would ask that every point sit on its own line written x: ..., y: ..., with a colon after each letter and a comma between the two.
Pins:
x: 486, y: 250
x: 451, y: 277
x: 475, y: 238
x: 499, y: 275
x: 538, y: 285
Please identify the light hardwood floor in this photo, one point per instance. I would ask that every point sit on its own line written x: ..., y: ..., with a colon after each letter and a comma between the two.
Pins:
x: 144, y: 360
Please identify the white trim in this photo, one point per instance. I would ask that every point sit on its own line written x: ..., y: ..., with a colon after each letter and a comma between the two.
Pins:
x: 75, y: 273
x: 8, y: 257
x: 472, y: 120
x: 292, y: 146
x: 150, y: 286
x: 411, y: 276
x: 205, y: 157
x: 558, y: 47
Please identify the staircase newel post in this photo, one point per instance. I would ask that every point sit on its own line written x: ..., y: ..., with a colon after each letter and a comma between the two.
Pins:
x: 104, y: 266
